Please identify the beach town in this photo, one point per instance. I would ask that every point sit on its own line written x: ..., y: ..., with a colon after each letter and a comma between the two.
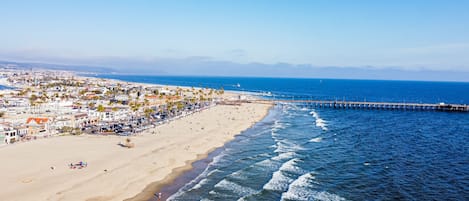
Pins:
x: 70, y: 137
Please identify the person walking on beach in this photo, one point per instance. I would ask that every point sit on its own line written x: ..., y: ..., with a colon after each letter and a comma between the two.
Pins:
x: 159, y: 196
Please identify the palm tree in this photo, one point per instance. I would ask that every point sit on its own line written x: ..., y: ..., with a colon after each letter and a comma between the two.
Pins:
x: 135, y: 106
x: 179, y: 106
x: 100, y: 108
x: 148, y: 112
x: 32, y: 99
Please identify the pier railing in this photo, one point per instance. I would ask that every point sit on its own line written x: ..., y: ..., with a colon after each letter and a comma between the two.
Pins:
x: 373, y: 105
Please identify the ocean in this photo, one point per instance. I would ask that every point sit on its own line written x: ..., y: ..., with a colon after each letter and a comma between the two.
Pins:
x: 300, y: 153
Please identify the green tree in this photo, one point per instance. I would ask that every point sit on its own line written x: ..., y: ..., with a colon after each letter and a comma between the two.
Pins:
x: 148, y: 112
x: 100, y: 108
x: 82, y: 92
x: 32, y: 99
x: 179, y: 106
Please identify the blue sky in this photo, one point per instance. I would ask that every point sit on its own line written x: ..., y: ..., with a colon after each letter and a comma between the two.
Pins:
x: 410, y: 35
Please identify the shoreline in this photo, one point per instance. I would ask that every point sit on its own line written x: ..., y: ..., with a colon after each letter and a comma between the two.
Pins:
x: 149, y: 191
x: 161, y: 155
x: 156, y: 160
x: 154, y: 187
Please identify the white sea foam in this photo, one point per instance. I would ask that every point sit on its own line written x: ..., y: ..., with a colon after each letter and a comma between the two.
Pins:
x: 284, y: 155
x: 211, y: 172
x: 267, y: 164
x: 311, y: 195
x: 285, y: 145
x: 298, y: 189
x: 218, y: 159
x: 240, y: 174
x: 303, y: 180
x: 321, y: 123
x: 302, y: 189
x: 316, y: 139
x: 234, y: 187
x: 280, y: 181
x: 277, y: 126
x: 291, y: 166
x: 200, y: 184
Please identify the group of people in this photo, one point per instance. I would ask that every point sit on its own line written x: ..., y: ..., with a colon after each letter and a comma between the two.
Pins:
x: 79, y: 165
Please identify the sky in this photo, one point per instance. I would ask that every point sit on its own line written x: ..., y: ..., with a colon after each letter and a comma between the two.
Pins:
x: 150, y: 36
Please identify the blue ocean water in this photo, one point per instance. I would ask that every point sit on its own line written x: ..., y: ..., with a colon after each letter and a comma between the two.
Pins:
x: 299, y: 153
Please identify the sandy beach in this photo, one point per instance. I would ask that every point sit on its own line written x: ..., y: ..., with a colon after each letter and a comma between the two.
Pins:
x: 39, y: 170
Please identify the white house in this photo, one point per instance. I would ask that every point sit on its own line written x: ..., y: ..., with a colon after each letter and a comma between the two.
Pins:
x: 110, y: 114
x: 167, y: 92
x: 9, y: 134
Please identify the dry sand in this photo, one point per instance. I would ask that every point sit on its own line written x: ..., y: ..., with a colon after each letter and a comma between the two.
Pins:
x: 26, y: 173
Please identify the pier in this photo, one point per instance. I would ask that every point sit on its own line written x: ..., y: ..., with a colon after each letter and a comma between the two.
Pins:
x: 374, y: 105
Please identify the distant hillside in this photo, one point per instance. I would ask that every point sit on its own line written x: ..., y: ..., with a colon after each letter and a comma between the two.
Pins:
x: 33, y: 65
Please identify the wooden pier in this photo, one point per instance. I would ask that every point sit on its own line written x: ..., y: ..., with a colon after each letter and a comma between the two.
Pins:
x: 375, y: 105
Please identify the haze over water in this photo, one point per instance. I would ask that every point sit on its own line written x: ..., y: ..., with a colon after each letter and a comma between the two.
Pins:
x: 299, y: 153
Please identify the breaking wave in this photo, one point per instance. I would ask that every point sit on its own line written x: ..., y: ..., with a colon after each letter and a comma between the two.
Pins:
x: 302, y: 189
x: 321, y: 123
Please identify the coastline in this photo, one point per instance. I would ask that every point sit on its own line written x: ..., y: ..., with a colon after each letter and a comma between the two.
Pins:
x: 156, y: 160
x: 150, y: 190
x: 137, y: 173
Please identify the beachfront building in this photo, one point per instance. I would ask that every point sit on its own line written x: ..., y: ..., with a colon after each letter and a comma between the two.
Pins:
x: 111, y: 114
x: 10, y: 136
x: 38, y: 125
x: 8, y: 133
x: 21, y: 130
x: 81, y: 120
x: 61, y: 122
